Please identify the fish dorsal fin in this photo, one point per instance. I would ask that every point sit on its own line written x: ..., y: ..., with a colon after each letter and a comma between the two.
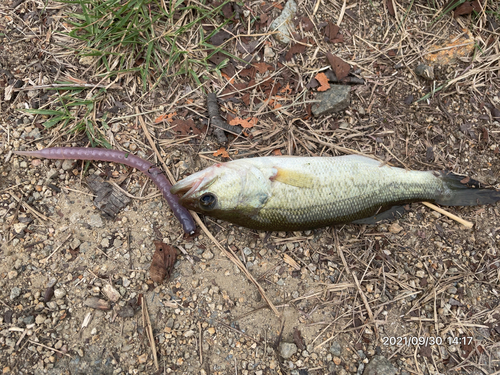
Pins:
x: 291, y: 177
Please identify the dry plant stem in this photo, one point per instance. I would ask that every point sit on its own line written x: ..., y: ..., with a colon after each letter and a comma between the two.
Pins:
x: 236, y: 261
x: 62, y: 85
x: 149, y: 331
x: 465, y: 223
x: 363, y: 297
x: 35, y: 212
x: 49, y: 348
x: 55, y: 251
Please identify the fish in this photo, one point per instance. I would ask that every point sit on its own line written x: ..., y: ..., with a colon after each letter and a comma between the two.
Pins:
x: 289, y: 193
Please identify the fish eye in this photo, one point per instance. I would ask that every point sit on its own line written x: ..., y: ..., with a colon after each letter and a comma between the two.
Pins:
x: 208, y: 201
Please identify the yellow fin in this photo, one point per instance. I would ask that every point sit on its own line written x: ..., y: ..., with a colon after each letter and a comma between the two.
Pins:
x: 291, y: 177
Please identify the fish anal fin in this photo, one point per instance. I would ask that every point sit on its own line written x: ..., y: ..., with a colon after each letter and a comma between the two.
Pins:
x: 291, y: 177
x: 392, y: 213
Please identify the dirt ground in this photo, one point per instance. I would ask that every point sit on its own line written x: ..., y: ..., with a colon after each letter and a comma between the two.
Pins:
x: 416, y: 296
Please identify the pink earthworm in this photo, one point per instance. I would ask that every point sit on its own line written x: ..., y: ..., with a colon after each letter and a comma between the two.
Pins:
x: 116, y: 156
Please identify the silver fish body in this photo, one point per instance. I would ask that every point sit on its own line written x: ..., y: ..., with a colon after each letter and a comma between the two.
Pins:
x: 299, y: 193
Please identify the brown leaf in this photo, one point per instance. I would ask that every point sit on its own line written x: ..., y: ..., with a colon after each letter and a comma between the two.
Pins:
x: 339, y: 66
x: 220, y: 38
x: 97, y: 303
x: 307, y: 24
x: 217, y: 58
x: 185, y: 127
x: 247, y: 47
x: 277, y: 152
x: 296, y: 48
x: 244, y: 123
x: 463, y: 9
x: 390, y: 8
x: 297, y: 339
x: 425, y: 351
x: 227, y: 9
x: 221, y: 152
x: 163, y: 261
x: 323, y: 81
x: 262, y: 67
x: 165, y: 116
x: 331, y: 31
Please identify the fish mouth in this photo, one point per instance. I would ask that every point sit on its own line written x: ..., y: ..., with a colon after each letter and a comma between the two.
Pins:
x: 190, y: 185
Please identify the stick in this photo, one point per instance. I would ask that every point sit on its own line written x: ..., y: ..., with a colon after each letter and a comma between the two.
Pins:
x: 465, y: 223
x: 149, y: 331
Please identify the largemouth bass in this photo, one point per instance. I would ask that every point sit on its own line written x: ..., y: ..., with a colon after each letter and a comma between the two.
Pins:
x: 287, y: 193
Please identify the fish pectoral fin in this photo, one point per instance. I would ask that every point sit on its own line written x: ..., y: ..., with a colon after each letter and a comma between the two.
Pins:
x: 392, y: 213
x: 291, y: 177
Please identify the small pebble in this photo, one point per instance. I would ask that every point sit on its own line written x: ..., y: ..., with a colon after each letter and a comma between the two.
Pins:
x: 15, y: 292
x: 12, y: 274
x: 287, y: 349
x: 207, y: 254
x: 59, y: 293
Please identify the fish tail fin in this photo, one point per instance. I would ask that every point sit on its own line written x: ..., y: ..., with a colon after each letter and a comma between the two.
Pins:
x: 464, y: 191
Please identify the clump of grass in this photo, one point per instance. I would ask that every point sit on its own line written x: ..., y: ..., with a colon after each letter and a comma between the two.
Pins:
x: 144, y: 37
x: 74, y: 115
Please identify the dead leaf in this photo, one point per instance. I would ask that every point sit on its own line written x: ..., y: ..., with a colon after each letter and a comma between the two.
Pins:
x: 220, y: 38
x: 331, y: 33
x: 307, y: 24
x: 296, y: 48
x: 165, y: 116
x: 221, y: 152
x: 262, y: 67
x: 467, y: 8
x: 163, y: 261
x: 185, y: 127
x: 217, y: 58
x: 277, y: 152
x: 390, y: 8
x: 323, y: 81
x: 339, y: 66
x: 227, y: 9
x: 247, y: 47
x: 286, y: 89
x: 297, y: 339
x: 250, y: 123
x: 277, y: 6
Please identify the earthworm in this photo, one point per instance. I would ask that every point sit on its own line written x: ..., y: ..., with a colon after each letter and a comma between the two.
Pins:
x: 116, y: 156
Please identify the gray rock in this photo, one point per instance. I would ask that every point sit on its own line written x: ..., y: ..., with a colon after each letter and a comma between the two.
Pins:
x: 95, y: 221
x: 336, y: 349
x: 59, y: 293
x: 335, y: 99
x: 15, y: 292
x: 207, y: 255
x: 67, y: 164
x: 284, y: 23
x: 380, y: 365
x: 287, y: 349
x: 75, y: 243
x: 425, y: 71
x: 35, y: 133
x: 84, y: 247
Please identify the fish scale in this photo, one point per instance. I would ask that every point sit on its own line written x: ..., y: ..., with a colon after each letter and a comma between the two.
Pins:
x: 300, y: 193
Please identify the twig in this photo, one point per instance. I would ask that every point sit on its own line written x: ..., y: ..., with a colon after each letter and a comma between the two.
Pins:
x: 465, y: 223
x: 62, y: 243
x: 201, y: 341
x: 49, y: 348
x: 32, y: 210
x: 149, y: 331
x: 79, y: 85
x: 236, y: 261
